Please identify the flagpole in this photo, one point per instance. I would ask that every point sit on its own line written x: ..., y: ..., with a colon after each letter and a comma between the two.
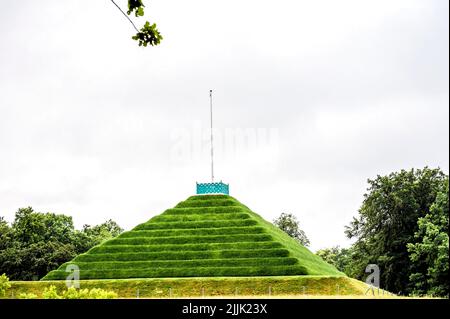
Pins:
x: 212, y: 148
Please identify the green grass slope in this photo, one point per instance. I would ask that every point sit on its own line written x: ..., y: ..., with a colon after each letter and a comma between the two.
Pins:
x: 203, y: 236
x: 220, y: 287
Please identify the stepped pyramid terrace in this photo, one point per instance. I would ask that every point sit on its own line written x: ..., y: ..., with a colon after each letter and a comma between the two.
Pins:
x: 206, y: 235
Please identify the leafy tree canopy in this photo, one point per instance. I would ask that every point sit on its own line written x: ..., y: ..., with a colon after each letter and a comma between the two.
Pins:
x: 388, y: 222
x: 37, y: 243
x: 290, y: 225
x: 338, y: 257
x: 430, y: 253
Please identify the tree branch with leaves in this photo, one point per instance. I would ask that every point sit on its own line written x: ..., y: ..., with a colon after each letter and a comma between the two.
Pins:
x: 148, y: 34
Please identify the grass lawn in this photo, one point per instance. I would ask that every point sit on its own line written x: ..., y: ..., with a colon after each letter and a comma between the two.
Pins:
x: 217, y: 287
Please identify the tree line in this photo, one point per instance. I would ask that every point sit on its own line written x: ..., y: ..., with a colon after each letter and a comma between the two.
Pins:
x: 36, y: 243
x: 402, y: 226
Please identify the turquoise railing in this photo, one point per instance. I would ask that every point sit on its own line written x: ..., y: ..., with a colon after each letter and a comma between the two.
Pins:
x: 212, y: 188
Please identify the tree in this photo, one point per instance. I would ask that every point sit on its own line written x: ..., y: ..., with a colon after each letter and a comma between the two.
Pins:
x: 33, y: 261
x: 5, y: 234
x: 37, y: 243
x: 290, y: 225
x: 387, y: 222
x: 32, y: 227
x: 94, y: 235
x: 338, y: 257
x: 430, y: 253
x: 148, y: 34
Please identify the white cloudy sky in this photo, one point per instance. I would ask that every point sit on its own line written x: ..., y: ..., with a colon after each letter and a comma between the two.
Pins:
x: 90, y: 123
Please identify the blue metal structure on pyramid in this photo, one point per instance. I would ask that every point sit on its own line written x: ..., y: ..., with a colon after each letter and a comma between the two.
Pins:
x: 213, y: 188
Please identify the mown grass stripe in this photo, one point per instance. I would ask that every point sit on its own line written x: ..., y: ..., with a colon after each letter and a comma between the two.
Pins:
x: 199, y: 217
x: 110, y: 265
x: 194, y: 232
x: 196, y: 224
x: 185, y: 247
x: 204, y: 210
x: 184, y: 272
x: 209, y: 197
x: 189, y: 239
x: 207, y: 203
x: 182, y: 255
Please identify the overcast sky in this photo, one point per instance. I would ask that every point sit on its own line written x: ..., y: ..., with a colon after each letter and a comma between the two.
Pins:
x: 311, y: 98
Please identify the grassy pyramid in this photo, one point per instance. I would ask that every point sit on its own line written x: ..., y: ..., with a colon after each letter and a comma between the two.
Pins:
x: 203, y: 236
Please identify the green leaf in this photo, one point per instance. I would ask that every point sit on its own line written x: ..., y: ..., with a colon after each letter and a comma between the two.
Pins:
x: 148, y: 35
x: 136, y: 6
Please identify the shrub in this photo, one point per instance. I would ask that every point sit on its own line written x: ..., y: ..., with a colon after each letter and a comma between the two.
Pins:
x: 94, y: 293
x: 4, y: 285
x: 50, y: 293
x: 25, y: 295
x: 73, y: 293
x: 97, y: 293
